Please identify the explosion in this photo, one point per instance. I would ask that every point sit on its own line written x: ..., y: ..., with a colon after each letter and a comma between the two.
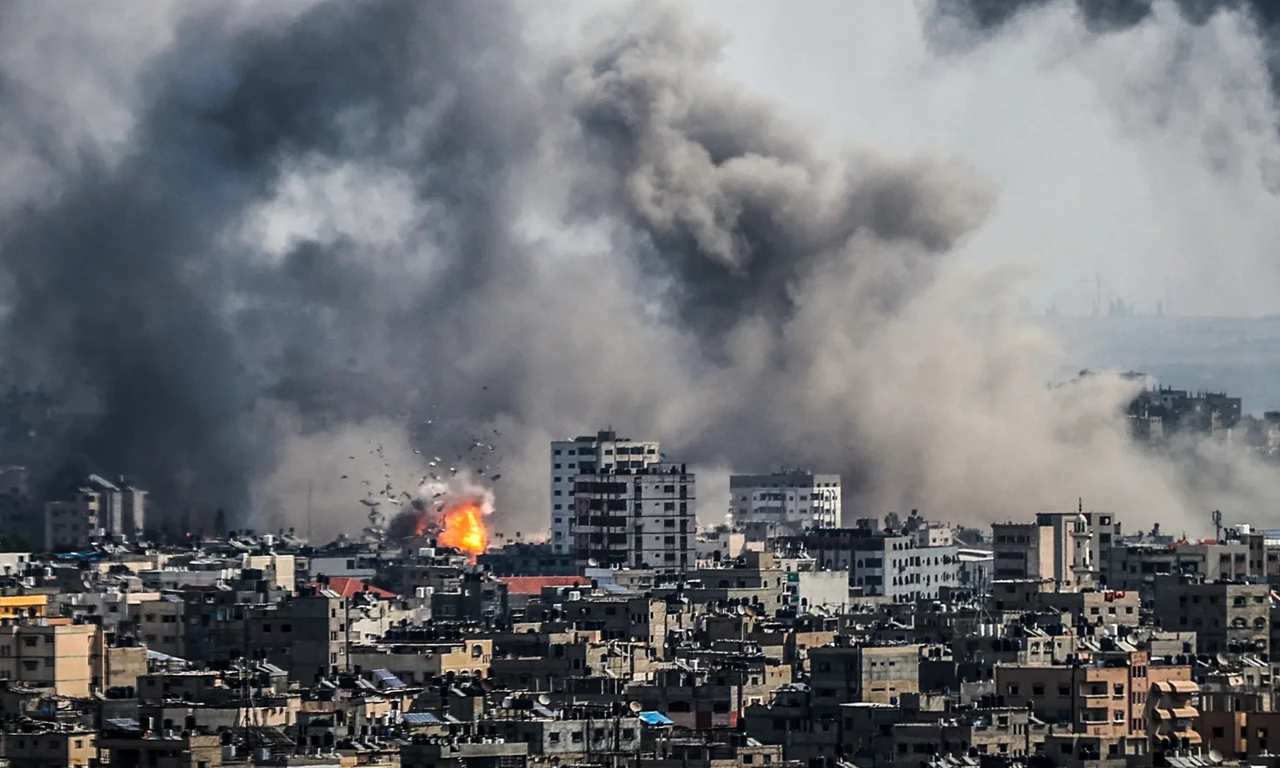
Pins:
x: 457, y: 522
x: 463, y: 528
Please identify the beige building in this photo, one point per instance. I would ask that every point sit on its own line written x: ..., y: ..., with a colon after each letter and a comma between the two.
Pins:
x: 160, y: 624
x: 875, y: 674
x: 50, y: 653
x: 279, y: 570
x: 49, y: 749
x: 417, y: 662
x: 72, y: 523
x: 1022, y: 551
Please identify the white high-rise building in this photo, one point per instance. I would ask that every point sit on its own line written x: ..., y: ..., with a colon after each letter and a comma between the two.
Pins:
x: 788, y: 500
x: 589, y: 454
x: 641, y: 518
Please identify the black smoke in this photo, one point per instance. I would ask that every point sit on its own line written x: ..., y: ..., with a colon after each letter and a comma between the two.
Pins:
x: 287, y: 233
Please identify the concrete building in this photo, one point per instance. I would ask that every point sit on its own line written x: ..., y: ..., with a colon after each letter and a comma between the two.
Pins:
x: 1092, y: 700
x: 588, y: 454
x: 73, y: 523
x: 122, y: 507
x: 878, y: 675
x: 1226, y: 617
x: 788, y: 501
x: 880, y: 564
x: 49, y: 748
x: 644, y: 518
x: 160, y: 624
x: 50, y: 653
x: 1067, y: 547
x: 1022, y: 551
x: 23, y: 606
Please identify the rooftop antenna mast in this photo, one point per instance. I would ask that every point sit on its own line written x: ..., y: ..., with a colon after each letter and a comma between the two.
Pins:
x: 308, y: 511
x: 1216, y: 516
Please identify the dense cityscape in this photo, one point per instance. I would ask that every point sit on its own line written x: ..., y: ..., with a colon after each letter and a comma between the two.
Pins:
x: 793, y: 634
x: 639, y: 384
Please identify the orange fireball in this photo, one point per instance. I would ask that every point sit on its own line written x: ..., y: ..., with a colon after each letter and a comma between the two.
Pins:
x: 463, y: 528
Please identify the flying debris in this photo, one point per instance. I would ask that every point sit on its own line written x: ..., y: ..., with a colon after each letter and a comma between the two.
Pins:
x: 496, y: 477
x: 370, y: 502
x: 344, y: 477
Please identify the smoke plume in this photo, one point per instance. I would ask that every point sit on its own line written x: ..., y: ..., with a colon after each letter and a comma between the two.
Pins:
x: 261, y: 238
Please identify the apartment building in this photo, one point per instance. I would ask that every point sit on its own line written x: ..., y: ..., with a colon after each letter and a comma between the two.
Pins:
x: 588, y: 454
x: 1022, y: 551
x: 50, y: 653
x: 1065, y: 547
x: 1226, y: 617
x: 642, y: 518
x: 872, y: 674
x: 49, y: 747
x: 785, y: 502
x: 74, y: 522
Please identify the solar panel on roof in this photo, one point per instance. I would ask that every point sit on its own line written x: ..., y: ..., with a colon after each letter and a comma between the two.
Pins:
x: 124, y: 724
x: 419, y: 718
x: 386, y: 679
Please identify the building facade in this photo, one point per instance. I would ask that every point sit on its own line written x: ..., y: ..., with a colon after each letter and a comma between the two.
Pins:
x: 787, y: 501
x: 642, y: 518
x: 588, y: 454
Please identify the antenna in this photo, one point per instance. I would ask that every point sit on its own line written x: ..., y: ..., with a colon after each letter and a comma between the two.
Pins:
x: 1216, y: 516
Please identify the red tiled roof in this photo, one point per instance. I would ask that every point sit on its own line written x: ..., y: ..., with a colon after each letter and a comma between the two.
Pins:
x: 350, y: 587
x: 532, y: 585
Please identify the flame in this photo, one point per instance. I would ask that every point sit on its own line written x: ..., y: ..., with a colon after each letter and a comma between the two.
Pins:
x: 463, y: 528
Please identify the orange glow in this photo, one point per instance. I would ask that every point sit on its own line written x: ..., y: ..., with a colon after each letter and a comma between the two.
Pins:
x: 463, y: 528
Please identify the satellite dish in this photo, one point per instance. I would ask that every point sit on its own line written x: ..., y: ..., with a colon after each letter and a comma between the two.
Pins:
x: 592, y: 562
x: 1215, y: 757
x: 1223, y: 660
x: 544, y: 699
x: 508, y: 702
x: 635, y: 707
x: 740, y: 609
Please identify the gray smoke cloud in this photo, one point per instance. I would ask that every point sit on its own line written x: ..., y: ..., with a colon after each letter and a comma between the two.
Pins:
x: 260, y: 242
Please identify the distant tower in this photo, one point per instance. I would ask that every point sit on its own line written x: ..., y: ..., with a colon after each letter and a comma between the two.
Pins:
x: 1216, y: 516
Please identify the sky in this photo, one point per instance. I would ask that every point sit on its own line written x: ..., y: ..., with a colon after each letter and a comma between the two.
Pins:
x: 279, y: 256
x: 1144, y: 158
